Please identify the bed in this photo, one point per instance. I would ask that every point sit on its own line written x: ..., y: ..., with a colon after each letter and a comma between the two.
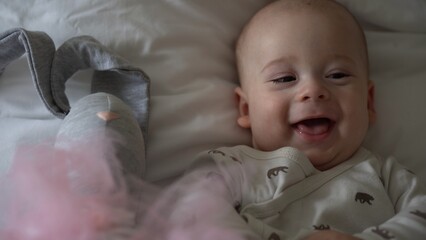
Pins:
x: 186, y: 49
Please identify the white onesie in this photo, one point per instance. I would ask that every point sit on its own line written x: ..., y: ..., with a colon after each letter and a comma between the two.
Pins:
x: 282, y: 196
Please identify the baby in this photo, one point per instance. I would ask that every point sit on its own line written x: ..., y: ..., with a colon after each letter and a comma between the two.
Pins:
x: 306, y: 97
x: 303, y: 69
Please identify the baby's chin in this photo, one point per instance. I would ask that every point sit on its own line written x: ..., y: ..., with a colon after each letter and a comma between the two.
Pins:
x: 322, y: 160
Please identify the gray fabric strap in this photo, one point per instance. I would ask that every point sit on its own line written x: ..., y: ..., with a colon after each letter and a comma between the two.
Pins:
x: 51, y: 69
x: 41, y: 50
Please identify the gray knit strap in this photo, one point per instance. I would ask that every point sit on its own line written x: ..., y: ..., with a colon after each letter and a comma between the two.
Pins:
x: 51, y: 69
x: 41, y: 51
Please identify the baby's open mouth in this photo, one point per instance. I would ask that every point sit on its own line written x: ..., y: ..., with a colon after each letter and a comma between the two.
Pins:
x: 314, y: 126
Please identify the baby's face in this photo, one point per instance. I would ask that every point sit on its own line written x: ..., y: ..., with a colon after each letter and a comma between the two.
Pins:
x: 305, y: 84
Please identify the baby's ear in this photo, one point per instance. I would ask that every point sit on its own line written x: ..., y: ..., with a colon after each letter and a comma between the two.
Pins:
x: 370, y: 104
x: 243, y: 119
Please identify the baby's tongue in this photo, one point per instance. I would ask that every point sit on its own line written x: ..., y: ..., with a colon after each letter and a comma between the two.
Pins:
x: 313, y: 126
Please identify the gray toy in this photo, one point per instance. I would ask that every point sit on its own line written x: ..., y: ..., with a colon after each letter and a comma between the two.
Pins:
x: 118, y: 106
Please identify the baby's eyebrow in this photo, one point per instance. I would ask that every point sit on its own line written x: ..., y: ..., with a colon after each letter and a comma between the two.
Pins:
x: 344, y: 58
x: 281, y: 60
x: 292, y: 59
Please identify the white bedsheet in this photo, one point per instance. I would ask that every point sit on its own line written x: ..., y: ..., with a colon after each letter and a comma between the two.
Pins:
x: 186, y: 47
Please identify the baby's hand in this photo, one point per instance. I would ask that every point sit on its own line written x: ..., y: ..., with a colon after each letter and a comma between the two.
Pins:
x: 330, y: 235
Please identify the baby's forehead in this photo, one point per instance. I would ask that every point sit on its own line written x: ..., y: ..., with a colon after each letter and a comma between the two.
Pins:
x: 265, y: 21
x: 281, y: 7
x: 281, y: 10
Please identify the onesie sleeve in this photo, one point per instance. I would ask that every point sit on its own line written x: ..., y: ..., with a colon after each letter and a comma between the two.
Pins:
x: 221, y: 164
x: 205, y: 202
x: 408, y: 195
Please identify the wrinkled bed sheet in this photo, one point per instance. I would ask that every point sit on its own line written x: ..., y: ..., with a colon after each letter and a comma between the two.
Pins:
x: 186, y: 48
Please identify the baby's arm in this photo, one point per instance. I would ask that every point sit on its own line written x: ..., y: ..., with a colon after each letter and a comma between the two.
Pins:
x: 408, y: 195
x: 409, y: 199
x: 203, y: 203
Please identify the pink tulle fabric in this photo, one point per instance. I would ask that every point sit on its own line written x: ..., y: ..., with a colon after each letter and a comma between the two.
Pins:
x: 53, y: 193
x: 78, y: 192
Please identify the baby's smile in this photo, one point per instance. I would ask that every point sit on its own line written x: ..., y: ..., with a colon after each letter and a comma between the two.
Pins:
x: 314, y: 129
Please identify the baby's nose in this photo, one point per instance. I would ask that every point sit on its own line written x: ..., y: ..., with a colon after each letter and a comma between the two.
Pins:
x: 313, y: 90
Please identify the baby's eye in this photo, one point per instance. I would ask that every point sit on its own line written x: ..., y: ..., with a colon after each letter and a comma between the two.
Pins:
x: 284, y: 79
x: 338, y: 75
